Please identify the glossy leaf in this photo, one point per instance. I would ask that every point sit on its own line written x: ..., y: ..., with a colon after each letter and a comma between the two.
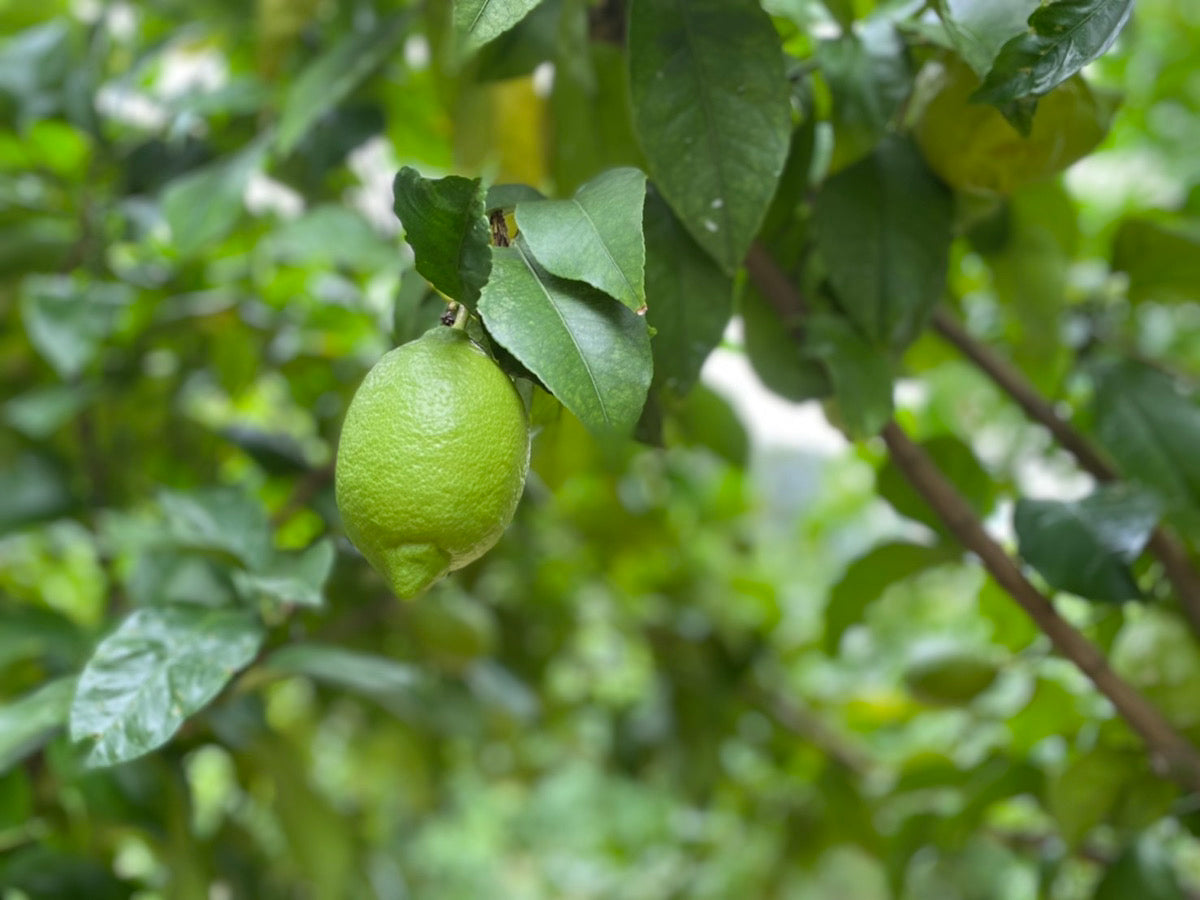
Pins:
x: 334, y: 75
x: 711, y: 110
x: 68, y: 322
x: 883, y: 229
x: 203, y: 206
x: 160, y: 666
x: 593, y: 354
x: 979, y: 28
x: 1063, y: 37
x: 1086, y: 546
x: 865, y: 580
x: 861, y: 376
x: 476, y: 22
x: 28, y: 722
x: 595, y: 237
x: 1162, y: 260
x: 445, y: 222
x: 1152, y: 429
x: 690, y: 298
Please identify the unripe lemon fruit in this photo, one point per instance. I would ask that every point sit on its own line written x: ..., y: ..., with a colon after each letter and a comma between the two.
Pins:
x: 432, y: 459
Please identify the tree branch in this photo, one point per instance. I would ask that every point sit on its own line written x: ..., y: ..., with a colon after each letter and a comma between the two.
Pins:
x: 1171, y: 754
x: 1167, y: 548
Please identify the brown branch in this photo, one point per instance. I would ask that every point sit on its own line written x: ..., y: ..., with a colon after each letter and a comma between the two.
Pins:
x: 774, y: 284
x: 1168, y: 549
x: 1170, y: 753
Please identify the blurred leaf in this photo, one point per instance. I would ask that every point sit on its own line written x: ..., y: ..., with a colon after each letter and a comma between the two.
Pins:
x: 497, y: 687
x: 693, y: 298
x: 595, y: 237
x: 1084, y: 795
x: 1143, y: 870
x: 525, y: 46
x: 593, y: 354
x: 947, y: 672
x: 203, y: 206
x: 333, y: 76
x: 883, y: 227
x: 1051, y: 712
x: 1161, y: 259
x: 776, y: 350
x: 365, y: 673
x: 36, y: 633
x: 711, y: 110
x: 979, y: 28
x: 507, y: 196
x: 446, y: 224
x: 158, y: 668
x: 277, y: 453
x: 1157, y: 653
x: 1151, y: 428
x: 478, y: 21
x: 40, y: 412
x: 860, y: 374
x: 223, y: 521
x: 68, y: 321
x: 1086, y: 546
x: 865, y: 580
x: 958, y: 463
x: 333, y: 236
x: 27, y: 723
x: 291, y: 578
x: 706, y: 419
x: 1063, y: 37
x: 32, y: 489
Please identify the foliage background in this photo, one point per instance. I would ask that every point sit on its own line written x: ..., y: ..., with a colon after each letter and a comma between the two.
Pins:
x: 671, y: 678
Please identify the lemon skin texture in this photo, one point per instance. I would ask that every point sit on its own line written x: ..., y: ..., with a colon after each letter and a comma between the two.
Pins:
x: 432, y: 459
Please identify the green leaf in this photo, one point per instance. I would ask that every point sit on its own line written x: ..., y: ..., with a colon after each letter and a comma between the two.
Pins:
x: 1087, y: 791
x: 160, y: 666
x: 860, y: 374
x: 1063, y: 37
x: 365, y: 673
x: 40, y: 412
x: 595, y: 237
x: 1152, y: 430
x: 883, y: 227
x: 591, y: 353
x: 712, y: 113
x: 204, y: 205
x: 1144, y: 870
x: 979, y: 28
x: 693, y: 298
x: 865, y: 580
x: 961, y: 467
x: 776, y: 352
x: 329, y: 79
x: 332, y: 235
x: 478, y: 21
x: 1162, y: 260
x: 68, y: 321
x: 706, y: 419
x: 1086, y: 546
x: 291, y: 579
x: 32, y: 489
x: 445, y: 222
x: 27, y: 723
x: 223, y: 521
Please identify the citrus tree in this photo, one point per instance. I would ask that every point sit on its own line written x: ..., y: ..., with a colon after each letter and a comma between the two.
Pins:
x: 955, y: 657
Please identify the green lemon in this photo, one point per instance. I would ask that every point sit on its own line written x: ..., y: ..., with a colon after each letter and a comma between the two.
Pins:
x: 973, y: 147
x: 432, y: 459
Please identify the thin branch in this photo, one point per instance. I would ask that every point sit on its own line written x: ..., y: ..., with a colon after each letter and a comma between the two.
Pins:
x: 1168, y: 549
x: 1170, y: 753
x: 774, y: 284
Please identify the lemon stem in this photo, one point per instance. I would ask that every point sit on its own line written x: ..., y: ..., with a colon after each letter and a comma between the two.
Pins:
x: 460, y: 317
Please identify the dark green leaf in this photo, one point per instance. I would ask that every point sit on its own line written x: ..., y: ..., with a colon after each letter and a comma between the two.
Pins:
x: 883, y: 227
x: 292, y: 579
x: 365, y: 673
x: 32, y: 489
x: 705, y: 419
x: 478, y: 21
x: 1086, y: 546
x: 775, y: 350
x: 1086, y: 792
x: 67, y: 321
x: 1063, y: 37
x: 28, y: 722
x: 204, y: 205
x: 595, y: 237
x: 162, y: 665
x: 328, y: 80
x: 711, y: 109
x: 1161, y: 259
x: 507, y: 196
x: 861, y: 376
x: 445, y: 222
x: 1152, y: 430
x: 958, y: 463
x: 979, y: 28
x: 865, y: 580
x: 593, y: 354
x: 690, y: 298
x: 1144, y: 870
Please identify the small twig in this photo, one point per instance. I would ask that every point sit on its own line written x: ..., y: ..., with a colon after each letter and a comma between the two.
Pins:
x: 1166, y: 547
x: 499, y: 228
